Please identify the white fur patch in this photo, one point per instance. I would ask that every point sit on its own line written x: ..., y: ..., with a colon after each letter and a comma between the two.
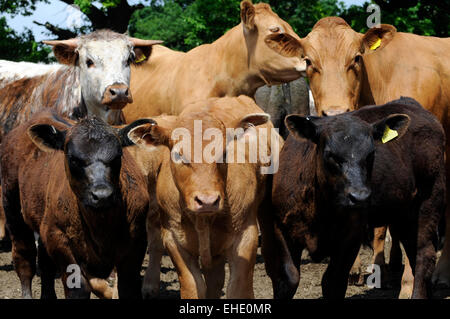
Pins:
x: 13, y: 71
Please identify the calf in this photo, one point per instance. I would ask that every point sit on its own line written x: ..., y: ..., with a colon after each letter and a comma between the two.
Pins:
x: 209, y: 208
x: 340, y: 174
x: 74, y: 185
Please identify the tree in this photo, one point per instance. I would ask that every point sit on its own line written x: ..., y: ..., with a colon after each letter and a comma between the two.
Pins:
x: 21, y: 47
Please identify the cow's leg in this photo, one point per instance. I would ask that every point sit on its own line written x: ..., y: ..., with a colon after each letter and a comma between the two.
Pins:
x: 356, y: 276
x: 48, y: 272
x: 129, y: 283
x: 81, y: 290
x: 23, y: 244
x: 215, y: 277
x: 101, y: 288
x: 150, y: 287
x: 2, y: 221
x: 278, y: 259
x: 24, y: 259
x: 344, y: 251
x: 407, y: 281
x: 242, y: 258
x: 441, y: 275
x: 192, y: 284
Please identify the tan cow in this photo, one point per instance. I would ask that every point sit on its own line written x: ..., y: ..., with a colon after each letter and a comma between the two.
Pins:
x: 256, y: 52
x: 208, y: 209
x: 348, y: 69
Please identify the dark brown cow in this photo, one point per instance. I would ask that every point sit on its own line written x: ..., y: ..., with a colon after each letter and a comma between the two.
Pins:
x: 336, y: 177
x: 74, y: 185
x: 347, y: 69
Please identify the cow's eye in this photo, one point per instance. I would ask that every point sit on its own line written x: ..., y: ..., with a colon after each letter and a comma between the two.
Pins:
x: 308, y: 62
x: 89, y: 63
x: 275, y: 29
x: 358, y: 58
x: 76, y: 162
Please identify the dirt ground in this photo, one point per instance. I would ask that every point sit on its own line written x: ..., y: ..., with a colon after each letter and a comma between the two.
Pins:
x: 309, y: 288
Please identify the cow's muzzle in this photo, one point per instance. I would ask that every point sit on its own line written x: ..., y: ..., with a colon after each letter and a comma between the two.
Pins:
x: 116, y: 96
x: 207, y: 202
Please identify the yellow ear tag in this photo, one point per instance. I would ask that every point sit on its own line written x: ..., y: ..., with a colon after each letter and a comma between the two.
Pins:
x: 388, y: 135
x: 142, y: 58
x: 376, y: 44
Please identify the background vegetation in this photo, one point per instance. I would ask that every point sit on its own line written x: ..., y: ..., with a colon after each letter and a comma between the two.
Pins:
x: 184, y: 24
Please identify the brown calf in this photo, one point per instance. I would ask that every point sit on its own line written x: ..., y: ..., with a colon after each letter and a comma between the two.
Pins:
x: 208, y: 209
x: 74, y: 185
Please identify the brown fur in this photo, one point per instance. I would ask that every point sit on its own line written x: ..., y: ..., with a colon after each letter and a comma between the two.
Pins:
x: 38, y: 198
x: 237, y: 63
x: 408, y: 193
x: 229, y: 234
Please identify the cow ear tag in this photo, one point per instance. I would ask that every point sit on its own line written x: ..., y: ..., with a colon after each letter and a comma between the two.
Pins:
x: 142, y: 58
x: 376, y: 45
x: 388, y: 135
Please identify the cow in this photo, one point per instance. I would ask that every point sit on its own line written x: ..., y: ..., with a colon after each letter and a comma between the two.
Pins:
x: 92, y: 79
x: 340, y: 176
x: 347, y: 70
x: 282, y: 100
x: 75, y: 185
x: 208, y: 207
x: 256, y: 52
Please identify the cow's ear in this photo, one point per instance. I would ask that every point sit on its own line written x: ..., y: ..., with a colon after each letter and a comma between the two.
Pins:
x: 124, y: 131
x: 248, y: 14
x: 377, y: 38
x: 149, y: 135
x: 284, y: 44
x: 251, y: 120
x: 65, y: 50
x: 143, y: 49
x: 303, y: 127
x: 47, y: 137
x: 392, y: 127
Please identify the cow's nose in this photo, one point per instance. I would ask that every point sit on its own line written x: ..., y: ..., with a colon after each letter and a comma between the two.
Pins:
x: 101, y: 193
x: 335, y: 111
x: 207, y: 202
x: 358, y: 196
x: 117, y: 96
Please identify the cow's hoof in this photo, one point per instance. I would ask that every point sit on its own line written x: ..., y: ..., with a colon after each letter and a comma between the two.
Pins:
x: 441, y: 275
x: 406, y: 291
x: 356, y: 279
x: 150, y: 293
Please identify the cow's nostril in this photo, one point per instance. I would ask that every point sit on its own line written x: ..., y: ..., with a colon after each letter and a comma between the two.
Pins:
x: 216, y: 203
x: 94, y: 197
x: 198, y: 201
x: 112, y: 91
x: 126, y: 92
x: 324, y: 114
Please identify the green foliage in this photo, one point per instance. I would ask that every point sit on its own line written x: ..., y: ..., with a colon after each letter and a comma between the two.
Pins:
x: 20, y: 47
x: 23, y: 7
x: 184, y: 24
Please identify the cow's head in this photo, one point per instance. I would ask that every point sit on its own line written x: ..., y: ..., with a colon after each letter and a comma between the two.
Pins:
x: 201, y: 183
x: 103, y: 59
x: 334, y: 54
x: 93, y: 155
x: 345, y: 151
x: 273, y: 50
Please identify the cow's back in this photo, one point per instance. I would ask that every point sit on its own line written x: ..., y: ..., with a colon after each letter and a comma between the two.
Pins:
x: 410, y: 65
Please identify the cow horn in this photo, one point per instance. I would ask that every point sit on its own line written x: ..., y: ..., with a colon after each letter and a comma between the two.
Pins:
x: 73, y: 43
x: 140, y: 42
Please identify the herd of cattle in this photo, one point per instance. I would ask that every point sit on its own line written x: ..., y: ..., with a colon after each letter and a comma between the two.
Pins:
x: 88, y: 146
